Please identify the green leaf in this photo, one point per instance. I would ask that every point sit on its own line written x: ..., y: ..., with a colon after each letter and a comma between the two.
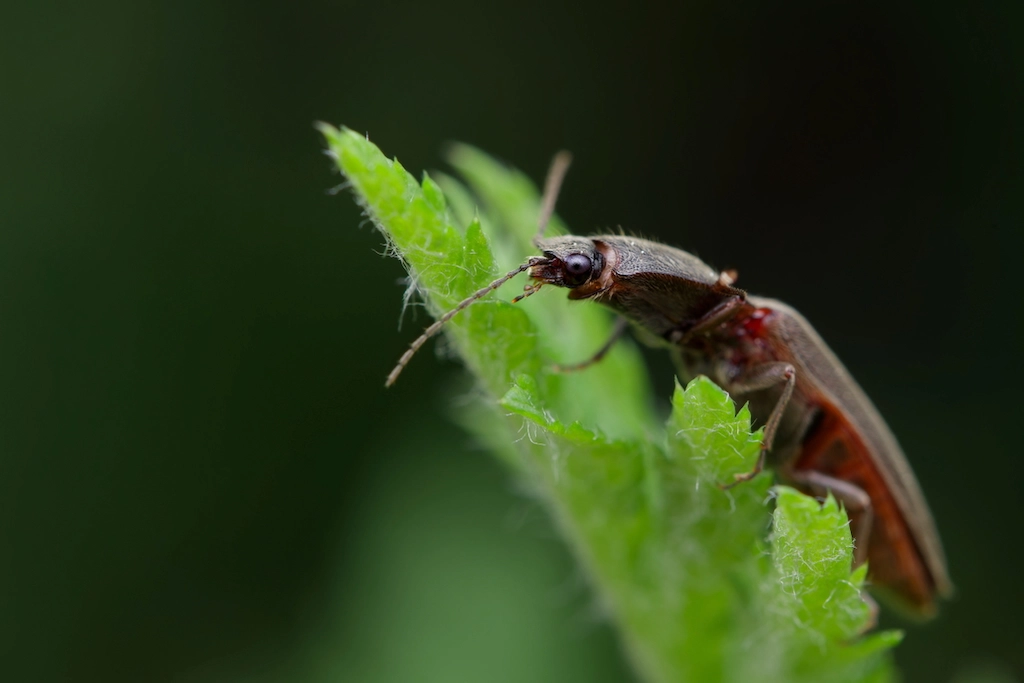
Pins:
x: 813, y: 550
x: 704, y: 584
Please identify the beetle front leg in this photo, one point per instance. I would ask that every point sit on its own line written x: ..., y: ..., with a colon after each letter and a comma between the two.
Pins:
x: 712, y: 319
x: 617, y: 332
x: 759, y: 378
x: 853, y: 498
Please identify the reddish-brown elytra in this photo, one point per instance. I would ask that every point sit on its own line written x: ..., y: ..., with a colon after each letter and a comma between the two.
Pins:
x: 821, y: 432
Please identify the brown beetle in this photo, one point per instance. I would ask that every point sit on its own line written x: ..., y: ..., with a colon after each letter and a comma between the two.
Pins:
x: 821, y: 434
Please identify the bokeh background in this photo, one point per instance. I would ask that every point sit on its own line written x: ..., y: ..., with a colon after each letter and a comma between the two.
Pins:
x: 202, y: 476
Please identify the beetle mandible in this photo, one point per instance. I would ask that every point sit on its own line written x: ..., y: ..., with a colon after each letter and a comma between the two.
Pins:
x: 821, y: 432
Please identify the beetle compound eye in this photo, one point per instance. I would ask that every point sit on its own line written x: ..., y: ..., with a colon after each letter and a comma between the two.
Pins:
x: 578, y: 264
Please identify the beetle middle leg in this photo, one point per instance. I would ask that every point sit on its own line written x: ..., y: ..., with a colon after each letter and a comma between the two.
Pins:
x: 620, y: 327
x: 759, y: 378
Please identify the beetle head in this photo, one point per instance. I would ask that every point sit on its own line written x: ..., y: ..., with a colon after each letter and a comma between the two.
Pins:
x: 568, y: 261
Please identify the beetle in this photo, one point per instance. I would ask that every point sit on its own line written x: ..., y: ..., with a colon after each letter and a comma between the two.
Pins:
x: 821, y: 432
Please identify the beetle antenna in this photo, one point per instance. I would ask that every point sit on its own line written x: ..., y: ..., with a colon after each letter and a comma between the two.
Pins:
x: 556, y: 174
x: 433, y: 329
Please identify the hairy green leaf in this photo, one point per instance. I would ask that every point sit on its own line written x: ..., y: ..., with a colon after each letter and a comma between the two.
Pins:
x: 704, y: 584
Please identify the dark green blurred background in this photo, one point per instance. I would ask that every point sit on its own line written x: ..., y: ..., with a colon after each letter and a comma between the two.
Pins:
x: 203, y: 478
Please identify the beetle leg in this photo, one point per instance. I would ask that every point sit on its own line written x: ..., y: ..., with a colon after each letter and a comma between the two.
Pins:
x: 853, y: 498
x: 727, y: 278
x: 712, y: 319
x: 617, y: 331
x: 758, y: 378
x: 872, y: 621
